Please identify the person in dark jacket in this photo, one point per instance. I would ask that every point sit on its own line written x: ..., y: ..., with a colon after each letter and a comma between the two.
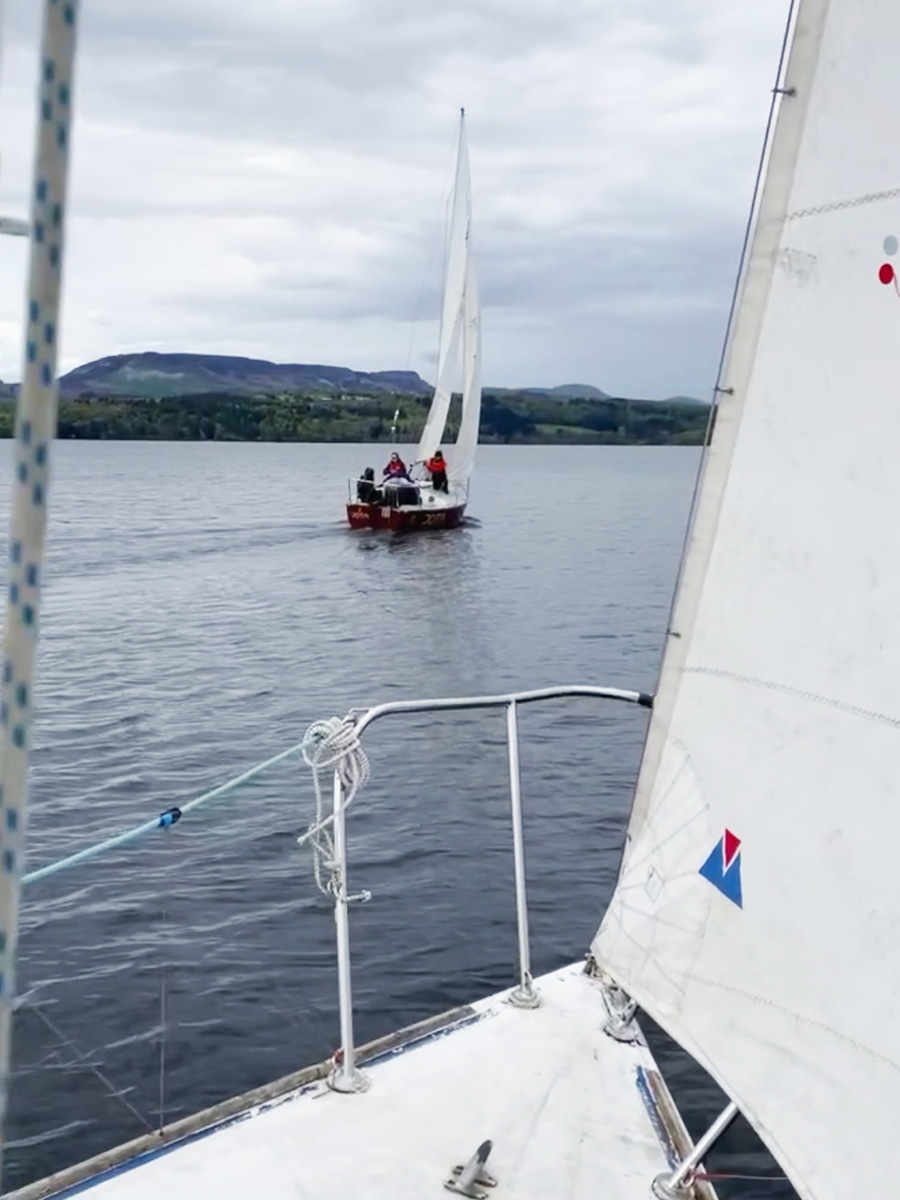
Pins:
x: 437, y: 465
x: 396, y: 468
x: 366, y: 491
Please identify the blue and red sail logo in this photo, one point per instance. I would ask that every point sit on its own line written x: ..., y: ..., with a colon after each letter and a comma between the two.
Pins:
x: 723, y: 868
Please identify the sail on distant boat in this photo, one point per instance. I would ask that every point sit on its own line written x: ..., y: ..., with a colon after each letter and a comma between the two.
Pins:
x: 756, y: 913
x: 415, y: 503
x: 460, y: 331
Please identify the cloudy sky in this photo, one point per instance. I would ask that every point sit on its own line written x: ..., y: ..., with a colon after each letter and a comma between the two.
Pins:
x: 270, y: 178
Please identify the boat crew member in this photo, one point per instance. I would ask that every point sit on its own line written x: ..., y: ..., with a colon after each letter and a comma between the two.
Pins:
x: 437, y: 465
x: 366, y: 491
x: 396, y: 468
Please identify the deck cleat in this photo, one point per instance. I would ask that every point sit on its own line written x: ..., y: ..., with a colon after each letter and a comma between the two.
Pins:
x: 465, y: 1180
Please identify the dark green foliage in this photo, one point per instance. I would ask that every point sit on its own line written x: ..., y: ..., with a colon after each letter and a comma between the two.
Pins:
x: 508, y: 416
x: 503, y: 423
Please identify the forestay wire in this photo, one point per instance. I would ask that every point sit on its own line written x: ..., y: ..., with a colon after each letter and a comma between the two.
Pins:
x: 743, y: 261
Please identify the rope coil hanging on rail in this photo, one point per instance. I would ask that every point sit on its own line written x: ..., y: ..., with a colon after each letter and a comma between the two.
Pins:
x: 332, y: 745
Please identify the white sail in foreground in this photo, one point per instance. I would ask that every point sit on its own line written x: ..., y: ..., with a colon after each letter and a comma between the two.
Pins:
x: 460, y: 334
x: 758, y: 905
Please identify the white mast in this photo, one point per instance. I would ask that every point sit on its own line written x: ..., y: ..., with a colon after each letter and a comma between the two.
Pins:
x: 756, y: 912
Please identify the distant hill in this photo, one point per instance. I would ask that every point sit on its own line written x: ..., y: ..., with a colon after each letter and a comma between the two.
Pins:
x: 153, y: 376
x: 565, y: 391
x: 571, y: 391
x: 583, y: 391
x: 200, y: 397
x: 157, y: 376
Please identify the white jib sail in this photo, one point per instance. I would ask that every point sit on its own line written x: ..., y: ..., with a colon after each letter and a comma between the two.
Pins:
x: 460, y: 330
x: 758, y: 904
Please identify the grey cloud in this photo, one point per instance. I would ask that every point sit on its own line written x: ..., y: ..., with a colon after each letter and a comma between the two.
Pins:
x: 245, y: 170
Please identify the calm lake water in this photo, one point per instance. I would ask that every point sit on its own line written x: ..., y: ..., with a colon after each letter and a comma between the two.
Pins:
x: 204, y: 604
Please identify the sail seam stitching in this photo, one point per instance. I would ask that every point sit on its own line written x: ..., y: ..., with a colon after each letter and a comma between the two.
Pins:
x: 856, y: 710
x: 836, y: 205
x: 811, y: 1022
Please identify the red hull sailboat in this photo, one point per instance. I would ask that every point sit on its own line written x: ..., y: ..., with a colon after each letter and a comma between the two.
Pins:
x: 404, y: 517
x: 413, y: 502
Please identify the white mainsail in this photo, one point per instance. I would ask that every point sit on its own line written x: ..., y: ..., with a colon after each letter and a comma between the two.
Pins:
x: 462, y: 459
x: 758, y: 903
x: 460, y: 331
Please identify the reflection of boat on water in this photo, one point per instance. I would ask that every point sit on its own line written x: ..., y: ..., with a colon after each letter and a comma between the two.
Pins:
x: 415, y: 503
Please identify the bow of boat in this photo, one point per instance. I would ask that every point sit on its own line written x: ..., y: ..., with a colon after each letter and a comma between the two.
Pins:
x: 569, y: 1111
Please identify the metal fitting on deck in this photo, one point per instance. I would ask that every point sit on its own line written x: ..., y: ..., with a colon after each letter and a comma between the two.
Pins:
x: 621, y: 1024
x: 465, y: 1180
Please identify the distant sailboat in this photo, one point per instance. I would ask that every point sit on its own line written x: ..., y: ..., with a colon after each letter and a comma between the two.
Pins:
x: 416, y: 503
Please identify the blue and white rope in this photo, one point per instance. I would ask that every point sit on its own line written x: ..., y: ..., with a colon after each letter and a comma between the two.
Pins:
x: 35, y: 426
x: 326, y: 746
x: 165, y: 820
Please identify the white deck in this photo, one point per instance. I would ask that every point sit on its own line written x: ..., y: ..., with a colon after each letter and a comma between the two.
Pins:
x: 568, y: 1109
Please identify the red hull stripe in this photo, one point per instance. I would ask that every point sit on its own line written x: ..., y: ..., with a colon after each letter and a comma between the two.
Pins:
x: 376, y: 516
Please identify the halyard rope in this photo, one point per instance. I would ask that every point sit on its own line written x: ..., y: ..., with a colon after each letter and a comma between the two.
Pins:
x: 36, y: 412
x: 332, y: 745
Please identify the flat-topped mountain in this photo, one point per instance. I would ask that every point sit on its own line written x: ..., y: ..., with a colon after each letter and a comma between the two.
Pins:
x: 212, y: 397
x: 152, y: 375
x: 565, y: 391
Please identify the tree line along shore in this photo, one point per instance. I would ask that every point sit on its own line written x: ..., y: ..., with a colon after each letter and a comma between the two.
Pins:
x: 509, y: 417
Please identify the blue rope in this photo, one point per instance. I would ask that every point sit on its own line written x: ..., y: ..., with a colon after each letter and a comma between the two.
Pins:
x: 165, y: 820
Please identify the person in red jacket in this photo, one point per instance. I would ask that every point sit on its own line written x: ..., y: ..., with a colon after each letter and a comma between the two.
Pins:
x: 437, y: 465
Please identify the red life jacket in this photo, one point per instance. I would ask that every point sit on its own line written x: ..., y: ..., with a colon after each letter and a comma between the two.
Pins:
x: 436, y: 464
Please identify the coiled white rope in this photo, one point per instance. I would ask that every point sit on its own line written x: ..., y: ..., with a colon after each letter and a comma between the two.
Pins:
x: 332, y: 745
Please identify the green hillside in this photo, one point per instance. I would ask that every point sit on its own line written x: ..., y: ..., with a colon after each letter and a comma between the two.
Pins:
x: 511, y: 417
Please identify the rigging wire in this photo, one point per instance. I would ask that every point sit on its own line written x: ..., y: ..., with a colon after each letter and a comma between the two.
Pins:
x: 718, y: 390
x: 433, y: 241
x: 713, y: 1176
x: 108, y: 1085
x: 442, y: 223
x: 163, y: 1016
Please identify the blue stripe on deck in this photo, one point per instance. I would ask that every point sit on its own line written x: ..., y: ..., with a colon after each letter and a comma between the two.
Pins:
x: 253, y: 1110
